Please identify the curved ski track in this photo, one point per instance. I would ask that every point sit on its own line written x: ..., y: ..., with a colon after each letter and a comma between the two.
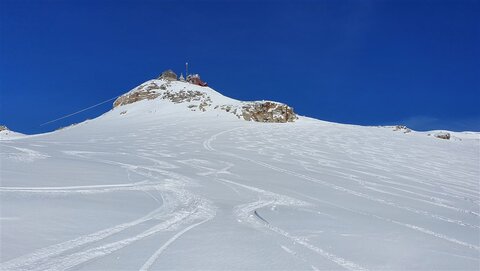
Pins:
x: 178, y: 207
x: 248, y: 212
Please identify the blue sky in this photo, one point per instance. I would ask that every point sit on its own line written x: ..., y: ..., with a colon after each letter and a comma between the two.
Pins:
x: 359, y: 62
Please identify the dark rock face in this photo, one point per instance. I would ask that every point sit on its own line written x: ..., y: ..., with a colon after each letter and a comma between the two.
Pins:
x: 168, y: 75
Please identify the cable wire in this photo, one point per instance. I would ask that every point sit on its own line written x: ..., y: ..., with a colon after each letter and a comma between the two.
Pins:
x: 80, y: 111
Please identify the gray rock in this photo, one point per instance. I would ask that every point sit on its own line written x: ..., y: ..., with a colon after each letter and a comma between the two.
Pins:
x: 442, y: 135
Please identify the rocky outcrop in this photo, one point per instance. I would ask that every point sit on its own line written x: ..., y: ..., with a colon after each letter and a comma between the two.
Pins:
x: 402, y: 128
x: 184, y: 96
x: 202, y: 100
x: 198, y: 100
x: 3, y: 128
x: 442, y: 135
x: 268, y: 112
x: 261, y: 112
x: 152, y: 90
x: 143, y: 92
x: 168, y: 75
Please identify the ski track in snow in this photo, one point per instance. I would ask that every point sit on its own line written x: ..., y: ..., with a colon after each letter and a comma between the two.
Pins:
x: 83, y: 189
x: 208, y: 145
x: 57, y: 257
x: 147, y: 265
x: 23, y: 154
x: 248, y: 212
x: 61, y: 257
x: 71, y: 260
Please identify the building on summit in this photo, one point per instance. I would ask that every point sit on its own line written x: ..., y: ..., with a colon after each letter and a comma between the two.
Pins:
x: 191, y: 78
x: 195, y: 79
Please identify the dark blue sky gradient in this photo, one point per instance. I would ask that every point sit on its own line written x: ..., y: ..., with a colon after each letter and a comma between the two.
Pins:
x: 359, y: 62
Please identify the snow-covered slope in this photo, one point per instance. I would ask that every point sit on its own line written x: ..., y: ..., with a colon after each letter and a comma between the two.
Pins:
x: 5, y: 133
x: 154, y: 185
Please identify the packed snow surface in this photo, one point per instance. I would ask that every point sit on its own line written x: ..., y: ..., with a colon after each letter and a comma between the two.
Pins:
x: 153, y: 186
x: 7, y: 134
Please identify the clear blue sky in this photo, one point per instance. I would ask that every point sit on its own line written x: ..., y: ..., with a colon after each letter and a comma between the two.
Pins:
x: 360, y: 62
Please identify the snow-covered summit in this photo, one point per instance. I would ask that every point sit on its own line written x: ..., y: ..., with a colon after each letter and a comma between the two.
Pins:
x: 201, y: 98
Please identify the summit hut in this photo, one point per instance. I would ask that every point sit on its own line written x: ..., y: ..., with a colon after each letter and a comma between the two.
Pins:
x: 195, y: 79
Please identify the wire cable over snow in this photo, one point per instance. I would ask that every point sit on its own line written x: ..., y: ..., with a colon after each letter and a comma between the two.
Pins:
x: 80, y: 111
